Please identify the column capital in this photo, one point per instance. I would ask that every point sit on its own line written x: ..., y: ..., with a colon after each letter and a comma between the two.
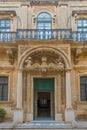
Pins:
x: 68, y: 70
x: 20, y: 69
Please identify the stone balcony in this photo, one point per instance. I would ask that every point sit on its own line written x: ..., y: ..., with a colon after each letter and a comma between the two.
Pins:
x: 43, y: 34
x: 33, y: 1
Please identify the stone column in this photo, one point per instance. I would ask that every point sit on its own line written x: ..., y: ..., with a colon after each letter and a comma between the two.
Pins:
x: 18, y: 113
x: 68, y: 90
x: 19, y: 90
x: 58, y: 91
x: 29, y: 99
x: 69, y: 113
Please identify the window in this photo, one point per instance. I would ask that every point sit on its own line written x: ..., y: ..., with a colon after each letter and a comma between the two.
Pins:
x: 83, y: 88
x: 5, y: 25
x: 3, y: 88
x: 82, y: 29
x: 44, y: 25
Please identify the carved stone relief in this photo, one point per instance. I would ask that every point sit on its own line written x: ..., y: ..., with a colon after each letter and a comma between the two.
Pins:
x: 51, y: 9
x: 44, y: 64
x: 22, y: 49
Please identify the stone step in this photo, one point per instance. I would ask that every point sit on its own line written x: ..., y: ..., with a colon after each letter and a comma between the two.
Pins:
x: 44, y: 125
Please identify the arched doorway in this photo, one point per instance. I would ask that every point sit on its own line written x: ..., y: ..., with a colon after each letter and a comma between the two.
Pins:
x: 45, y: 62
x: 43, y: 68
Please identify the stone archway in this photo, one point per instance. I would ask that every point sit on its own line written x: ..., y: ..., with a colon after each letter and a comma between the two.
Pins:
x: 43, y: 49
x: 46, y: 59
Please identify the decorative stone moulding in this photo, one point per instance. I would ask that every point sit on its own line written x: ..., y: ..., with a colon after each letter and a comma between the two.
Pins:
x: 43, y: 65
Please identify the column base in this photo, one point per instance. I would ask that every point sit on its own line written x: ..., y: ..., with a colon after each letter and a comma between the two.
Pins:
x: 69, y: 115
x: 18, y: 116
x: 29, y: 117
x: 59, y: 117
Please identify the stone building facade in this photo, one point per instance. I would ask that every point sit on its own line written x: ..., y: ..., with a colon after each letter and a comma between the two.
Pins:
x: 43, y: 59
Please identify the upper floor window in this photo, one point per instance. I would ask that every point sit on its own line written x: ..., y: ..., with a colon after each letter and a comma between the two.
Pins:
x: 5, y: 25
x: 44, y: 21
x: 44, y: 26
x: 82, y: 29
x: 83, y: 88
x: 3, y: 88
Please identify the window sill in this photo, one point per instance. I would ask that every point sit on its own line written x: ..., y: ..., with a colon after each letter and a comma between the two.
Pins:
x: 82, y: 102
x: 6, y: 103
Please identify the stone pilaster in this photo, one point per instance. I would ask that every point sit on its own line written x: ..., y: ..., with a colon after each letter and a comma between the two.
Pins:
x: 69, y: 113
x: 68, y: 90
x: 29, y: 99
x: 18, y: 113
x: 58, y: 94
x: 19, y: 90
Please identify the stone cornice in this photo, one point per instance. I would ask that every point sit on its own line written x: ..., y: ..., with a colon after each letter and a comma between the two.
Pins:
x: 6, y: 103
x: 80, y: 67
x: 5, y: 67
x: 52, y: 41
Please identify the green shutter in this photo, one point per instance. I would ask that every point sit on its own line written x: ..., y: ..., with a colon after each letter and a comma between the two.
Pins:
x: 43, y: 83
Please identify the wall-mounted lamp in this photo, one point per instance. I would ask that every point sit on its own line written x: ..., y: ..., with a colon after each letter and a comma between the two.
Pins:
x: 34, y: 20
x: 11, y: 16
x: 75, y: 17
x: 53, y: 20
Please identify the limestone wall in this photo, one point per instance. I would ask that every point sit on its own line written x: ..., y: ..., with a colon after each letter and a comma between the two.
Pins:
x: 62, y: 19
x: 26, y: 14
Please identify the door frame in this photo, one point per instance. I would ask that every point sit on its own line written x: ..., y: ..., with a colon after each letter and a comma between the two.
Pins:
x: 52, y: 106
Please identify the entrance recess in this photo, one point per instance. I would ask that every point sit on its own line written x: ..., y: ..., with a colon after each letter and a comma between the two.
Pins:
x: 44, y: 98
x: 43, y: 104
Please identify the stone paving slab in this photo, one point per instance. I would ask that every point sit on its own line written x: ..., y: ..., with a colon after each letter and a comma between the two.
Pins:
x: 7, y: 125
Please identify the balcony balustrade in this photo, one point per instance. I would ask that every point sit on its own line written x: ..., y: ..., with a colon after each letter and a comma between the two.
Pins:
x: 42, y: 34
x: 33, y: 1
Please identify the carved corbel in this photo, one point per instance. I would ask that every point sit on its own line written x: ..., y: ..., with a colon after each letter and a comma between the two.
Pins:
x: 77, y: 53
x: 28, y: 64
x: 11, y: 56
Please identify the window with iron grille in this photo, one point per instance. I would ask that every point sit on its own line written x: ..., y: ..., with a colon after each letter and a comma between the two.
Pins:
x: 3, y: 88
x: 82, y: 29
x: 83, y: 88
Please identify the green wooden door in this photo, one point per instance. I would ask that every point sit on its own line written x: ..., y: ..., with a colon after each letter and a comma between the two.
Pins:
x: 44, y: 84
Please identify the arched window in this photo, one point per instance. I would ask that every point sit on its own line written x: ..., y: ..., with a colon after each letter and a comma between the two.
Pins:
x: 44, y: 21
x: 44, y: 25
